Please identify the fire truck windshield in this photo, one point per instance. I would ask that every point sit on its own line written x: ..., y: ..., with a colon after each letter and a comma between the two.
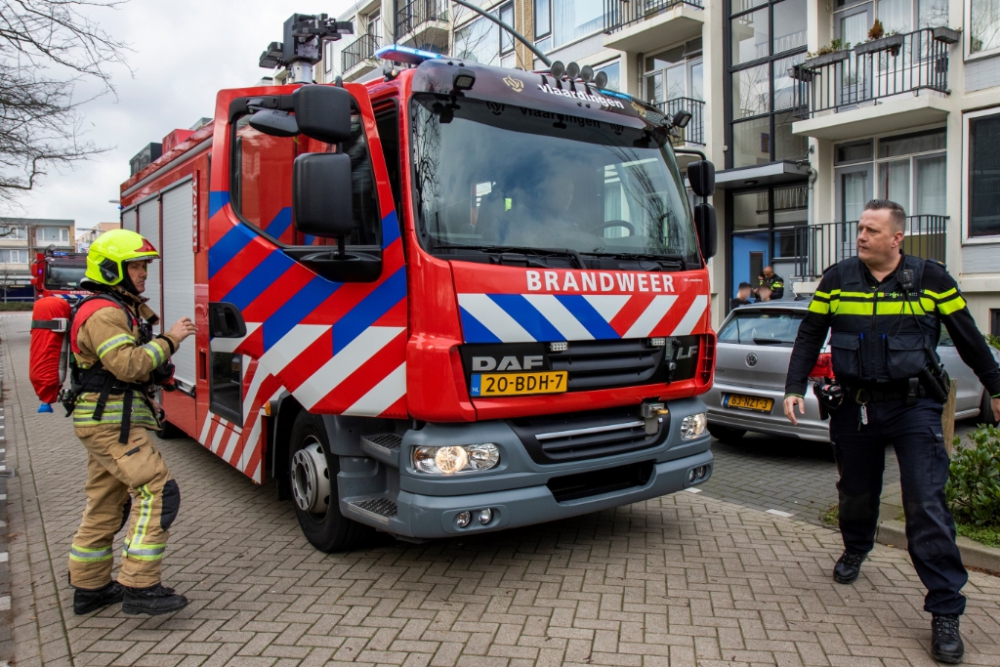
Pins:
x: 65, y: 276
x: 495, y: 178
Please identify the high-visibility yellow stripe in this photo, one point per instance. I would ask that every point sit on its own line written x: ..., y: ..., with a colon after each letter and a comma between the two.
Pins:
x: 112, y: 343
x: 89, y: 555
x: 155, y: 352
x: 880, y: 308
x: 820, y: 307
x: 142, y: 527
x: 942, y: 295
x: 821, y: 295
x: 952, y: 306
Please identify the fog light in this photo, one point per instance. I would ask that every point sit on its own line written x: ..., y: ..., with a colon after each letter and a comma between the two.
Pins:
x: 692, y: 475
x: 463, y: 519
x: 702, y: 471
x: 485, y: 516
x: 693, y: 426
x: 452, y: 459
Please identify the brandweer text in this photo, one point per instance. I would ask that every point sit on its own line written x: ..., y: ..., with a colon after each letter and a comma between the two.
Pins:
x: 599, y: 281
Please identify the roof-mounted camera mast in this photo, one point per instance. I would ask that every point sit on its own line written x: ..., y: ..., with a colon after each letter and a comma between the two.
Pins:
x: 303, y: 44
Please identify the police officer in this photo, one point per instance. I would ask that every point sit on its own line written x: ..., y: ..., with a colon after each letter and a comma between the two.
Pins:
x: 884, y: 311
x: 775, y: 282
x: 116, y: 361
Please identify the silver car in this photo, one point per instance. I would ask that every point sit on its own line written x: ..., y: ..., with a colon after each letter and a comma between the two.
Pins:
x: 755, y: 345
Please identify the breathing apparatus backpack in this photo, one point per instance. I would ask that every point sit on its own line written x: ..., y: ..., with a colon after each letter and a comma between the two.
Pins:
x: 54, y: 323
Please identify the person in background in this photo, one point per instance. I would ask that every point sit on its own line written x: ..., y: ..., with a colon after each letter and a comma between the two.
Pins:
x: 775, y: 282
x: 764, y: 293
x: 742, y: 296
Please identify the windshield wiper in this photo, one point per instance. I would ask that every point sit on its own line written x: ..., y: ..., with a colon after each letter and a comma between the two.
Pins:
x: 770, y: 341
x: 522, y: 250
x: 672, y: 260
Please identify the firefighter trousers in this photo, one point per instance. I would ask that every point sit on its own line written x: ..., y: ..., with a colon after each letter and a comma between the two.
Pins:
x: 915, y: 434
x: 125, y: 482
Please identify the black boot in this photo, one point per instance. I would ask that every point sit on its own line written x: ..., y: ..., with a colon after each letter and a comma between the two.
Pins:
x: 848, y: 567
x: 88, y: 600
x: 154, y: 600
x: 946, y: 640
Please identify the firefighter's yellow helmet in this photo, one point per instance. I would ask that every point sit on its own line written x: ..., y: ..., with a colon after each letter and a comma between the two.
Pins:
x: 112, y: 250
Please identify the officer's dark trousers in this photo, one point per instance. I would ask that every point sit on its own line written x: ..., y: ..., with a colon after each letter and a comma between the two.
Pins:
x: 915, y: 433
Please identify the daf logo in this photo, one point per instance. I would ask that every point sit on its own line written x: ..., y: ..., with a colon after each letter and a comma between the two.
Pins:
x: 514, y: 84
x: 512, y: 363
x: 751, y: 359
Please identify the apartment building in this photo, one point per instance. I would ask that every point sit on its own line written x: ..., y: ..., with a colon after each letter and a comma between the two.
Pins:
x: 20, y: 240
x: 805, y: 109
x: 88, y: 236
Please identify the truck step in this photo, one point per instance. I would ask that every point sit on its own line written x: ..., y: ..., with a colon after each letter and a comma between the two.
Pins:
x: 383, y: 447
x: 382, y: 509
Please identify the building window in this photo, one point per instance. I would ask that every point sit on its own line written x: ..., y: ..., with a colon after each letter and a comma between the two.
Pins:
x: 52, y: 235
x: 983, y: 177
x: 675, y: 73
x: 483, y: 41
x: 11, y: 256
x: 995, y: 321
x: 853, y: 19
x: 909, y: 169
x: 328, y: 57
x: 17, y: 233
x: 613, y: 72
x: 764, y: 226
x: 373, y: 26
x: 564, y: 21
x: 766, y: 39
x: 984, y: 25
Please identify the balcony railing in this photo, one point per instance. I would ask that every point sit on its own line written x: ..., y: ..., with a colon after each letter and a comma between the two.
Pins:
x: 819, y: 246
x: 915, y: 62
x: 358, y: 51
x: 620, y: 14
x: 415, y: 12
x: 694, y: 133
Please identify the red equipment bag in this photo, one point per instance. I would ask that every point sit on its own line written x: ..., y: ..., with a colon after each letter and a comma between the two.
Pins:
x: 50, y: 320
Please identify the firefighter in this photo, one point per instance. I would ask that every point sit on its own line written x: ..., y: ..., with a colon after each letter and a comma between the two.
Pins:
x: 116, y: 360
x: 884, y: 311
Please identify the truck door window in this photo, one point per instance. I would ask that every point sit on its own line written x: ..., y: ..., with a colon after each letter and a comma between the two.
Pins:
x: 261, y: 184
x: 387, y: 121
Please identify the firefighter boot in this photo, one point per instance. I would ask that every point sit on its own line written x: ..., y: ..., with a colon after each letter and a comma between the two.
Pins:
x: 88, y: 600
x: 848, y: 567
x: 155, y: 600
x: 946, y: 640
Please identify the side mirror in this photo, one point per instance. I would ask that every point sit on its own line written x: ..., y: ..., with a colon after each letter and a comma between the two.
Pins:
x: 323, y: 113
x: 705, y: 225
x: 321, y: 194
x: 274, y: 123
x: 225, y: 321
x: 701, y: 175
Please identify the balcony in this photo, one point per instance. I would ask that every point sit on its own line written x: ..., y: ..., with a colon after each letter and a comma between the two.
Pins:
x: 860, y: 92
x: 640, y: 26
x: 819, y: 246
x: 694, y: 133
x: 422, y: 23
x: 358, y: 58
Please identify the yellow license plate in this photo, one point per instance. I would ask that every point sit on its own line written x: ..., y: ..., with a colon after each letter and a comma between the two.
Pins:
x: 518, y: 384
x: 755, y: 403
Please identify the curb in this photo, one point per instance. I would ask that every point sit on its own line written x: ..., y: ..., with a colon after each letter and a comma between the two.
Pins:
x: 974, y: 554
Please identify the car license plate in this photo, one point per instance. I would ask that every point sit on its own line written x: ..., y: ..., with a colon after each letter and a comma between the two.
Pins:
x: 518, y: 384
x: 754, y: 403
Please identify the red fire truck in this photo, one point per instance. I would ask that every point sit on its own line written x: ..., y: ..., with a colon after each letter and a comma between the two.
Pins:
x: 58, y: 273
x: 456, y: 299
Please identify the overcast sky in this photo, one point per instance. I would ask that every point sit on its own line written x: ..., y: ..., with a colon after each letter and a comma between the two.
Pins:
x: 184, y: 51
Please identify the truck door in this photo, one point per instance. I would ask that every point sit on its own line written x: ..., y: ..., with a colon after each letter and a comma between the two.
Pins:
x: 333, y: 339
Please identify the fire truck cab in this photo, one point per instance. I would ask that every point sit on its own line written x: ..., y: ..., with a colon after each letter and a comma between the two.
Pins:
x: 58, y: 273
x: 458, y: 299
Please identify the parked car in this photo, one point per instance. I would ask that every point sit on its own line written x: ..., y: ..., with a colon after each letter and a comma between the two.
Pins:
x: 755, y: 345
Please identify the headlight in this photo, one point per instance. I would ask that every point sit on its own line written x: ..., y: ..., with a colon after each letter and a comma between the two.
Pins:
x: 455, y: 458
x: 693, y: 426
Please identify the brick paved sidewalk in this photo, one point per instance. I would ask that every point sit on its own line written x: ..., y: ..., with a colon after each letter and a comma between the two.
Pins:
x: 678, y: 581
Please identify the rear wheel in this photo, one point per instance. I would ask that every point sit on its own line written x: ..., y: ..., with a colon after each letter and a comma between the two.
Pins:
x: 725, y: 433
x: 168, y: 431
x: 312, y: 476
x: 986, y: 411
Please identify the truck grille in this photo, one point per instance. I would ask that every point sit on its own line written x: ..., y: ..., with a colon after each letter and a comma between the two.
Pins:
x: 586, y: 435
x: 598, y: 482
x: 611, y: 363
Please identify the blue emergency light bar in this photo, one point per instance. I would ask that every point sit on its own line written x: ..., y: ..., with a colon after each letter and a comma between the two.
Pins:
x: 404, y: 54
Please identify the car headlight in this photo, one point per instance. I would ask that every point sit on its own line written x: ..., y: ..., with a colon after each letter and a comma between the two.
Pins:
x: 453, y: 459
x: 693, y: 426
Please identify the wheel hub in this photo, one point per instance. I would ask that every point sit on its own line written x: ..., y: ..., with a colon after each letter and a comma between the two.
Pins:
x: 311, y: 478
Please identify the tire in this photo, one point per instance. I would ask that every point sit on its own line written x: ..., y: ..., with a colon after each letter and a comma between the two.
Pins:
x: 168, y: 431
x: 312, y: 474
x: 725, y: 433
x: 986, y: 411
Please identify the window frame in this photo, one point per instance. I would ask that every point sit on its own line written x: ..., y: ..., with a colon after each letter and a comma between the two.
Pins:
x: 967, y: 38
x: 550, y: 35
x: 967, y: 238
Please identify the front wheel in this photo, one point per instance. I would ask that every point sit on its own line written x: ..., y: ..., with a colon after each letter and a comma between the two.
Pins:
x: 312, y: 475
x: 986, y: 411
x: 725, y: 433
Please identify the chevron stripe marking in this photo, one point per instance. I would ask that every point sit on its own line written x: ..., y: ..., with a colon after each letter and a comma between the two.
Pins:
x: 383, y: 395
x: 693, y: 316
x: 348, y: 360
x: 501, y: 325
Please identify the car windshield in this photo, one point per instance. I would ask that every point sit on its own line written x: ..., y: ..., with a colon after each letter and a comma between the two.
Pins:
x: 65, y: 277
x: 762, y: 327
x: 497, y: 178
